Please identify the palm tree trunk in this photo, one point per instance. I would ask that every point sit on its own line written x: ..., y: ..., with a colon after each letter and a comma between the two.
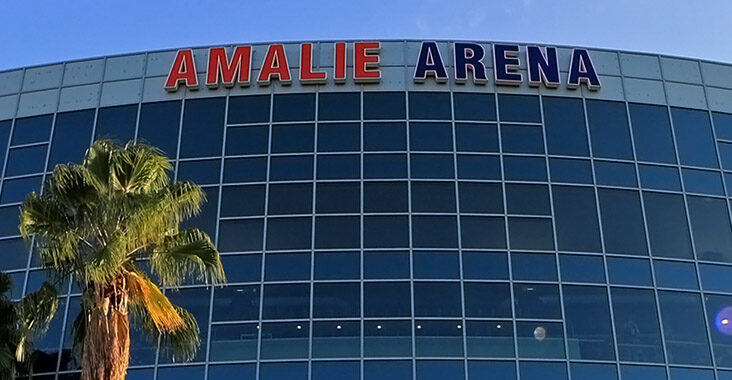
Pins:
x: 107, y: 341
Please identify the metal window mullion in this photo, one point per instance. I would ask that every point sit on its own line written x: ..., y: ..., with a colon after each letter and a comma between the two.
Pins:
x: 362, y: 296
x: 312, y: 235
x: 554, y: 235
x: 139, y: 104
x: 411, y: 244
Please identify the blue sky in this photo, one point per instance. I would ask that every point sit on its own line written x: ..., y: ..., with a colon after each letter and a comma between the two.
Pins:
x: 38, y: 32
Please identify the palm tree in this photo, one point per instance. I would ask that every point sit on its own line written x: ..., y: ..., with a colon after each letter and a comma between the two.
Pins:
x: 21, y: 322
x: 95, y: 224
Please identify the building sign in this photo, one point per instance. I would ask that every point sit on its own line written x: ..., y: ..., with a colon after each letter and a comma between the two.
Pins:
x: 469, y: 63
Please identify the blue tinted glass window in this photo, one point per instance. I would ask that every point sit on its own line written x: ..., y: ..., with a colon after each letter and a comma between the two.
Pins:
x: 159, y: 125
x: 240, y: 235
x: 339, y: 166
x: 536, y: 301
x: 472, y: 106
x: 615, y: 174
x: 15, y: 255
x: 425, y: 294
x: 26, y: 160
x: 293, y: 107
x: 181, y: 373
x: 234, y: 342
x: 147, y: 374
x: 242, y: 200
x: 200, y: 172
x: 4, y: 135
x: 336, y: 339
x: 527, y: 199
x: 337, y: 265
x: 386, y: 299
x: 387, y: 370
x: 636, y: 325
x: 490, y: 339
x: 609, y: 129
x: 715, y: 277
x: 636, y: 372
x: 336, y: 370
x: 485, y: 266
x: 519, y: 108
x: 594, y: 371
x: 384, y: 105
x: 576, y: 219
x: 287, y: 266
x: 438, y: 338
x: 385, y: 166
x: 15, y: 190
x: 720, y: 313
x: 576, y: 268
x: 672, y: 274
x: 336, y: 300
x: 432, y: 166
x: 33, y: 129
x: 436, y: 264
x: 242, y: 268
x: 522, y: 139
x: 684, y: 328
x: 337, y: 232
x: 434, y: 231
x: 236, y: 303
x: 570, y: 171
x: 290, y: 198
x: 247, y: 140
x: 245, y: 169
x: 692, y: 374
x: 430, y: 136
x: 429, y: 105
x: 479, y: 197
x: 248, y: 109
x: 534, y: 266
x: 487, y: 369
x: 280, y: 371
x: 478, y: 167
x: 9, y: 220
x: 540, y: 340
x: 386, y: 264
x: 652, y: 133
x: 542, y: 371
x: 711, y: 228
x: 440, y: 370
x: 476, y: 137
x: 286, y: 301
x: 482, y: 232
x: 284, y: 340
x: 725, y: 154
x: 702, y: 181
x: 722, y: 125
x: 197, y: 301
x: 339, y: 106
x: 384, y: 136
x: 386, y: 231
x: 71, y: 137
x: 629, y: 271
x: 564, y: 121
x: 524, y: 168
x: 694, y: 138
x: 227, y: 372
x: 203, y: 127
x: 668, y: 230
x: 338, y: 197
x: 433, y: 197
x: 385, y: 197
x: 292, y: 138
x: 288, y: 233
x: 531, y: 233
x: 659, y: 177
x: 622, y: 222
x: 344, y: 137
x: 290, y: 168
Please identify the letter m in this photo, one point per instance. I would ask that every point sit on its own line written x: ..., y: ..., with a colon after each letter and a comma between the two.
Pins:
x: 230, y: 72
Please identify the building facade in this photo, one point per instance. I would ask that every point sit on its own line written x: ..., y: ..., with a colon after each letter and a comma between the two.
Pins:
x: 409, y: 227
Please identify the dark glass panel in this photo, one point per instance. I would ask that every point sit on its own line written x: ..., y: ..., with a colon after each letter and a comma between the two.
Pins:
x: 652, y: 133
x: 711, y: 228
x: 242, y: 200
x: 245, y: 169
x: 196, y: 301
x: 537, y: 301
x: 71, y: 137
x: 387, y: 339
x: 615, y: 174
x: 489, y: 339
x: 519, y: 108
x: 293, y: 107
x: 425, y: 294
x: 540, y: 340
x: 531, y: 233
x: 534, y: 266
x: 576, y: 219
x: 15, y: 190
x: 252, y: 139
x: 344, y: 137
x: 432, y: 166
x: 491, y: 369
x: 542, y: 371
x: 26, y: 160
x: 337, y: 266
x: 564, y: 121
x: 716, y: 277
x: 433, y: 196
x: 609, y: 129
x: 336, y: 300
x: 477, y: 197
x: 242, y: 268
x: 570, y: 171
x: 337, y: 232
x: 587, y: 318
x: 524, y: 168
x: 527, y: 199
x: 429, y: 105
x: 659, y: 177
x: 287, y: 266
x: 338, y: 197
x: 622, y: 222
x: 181, y: 373
x: 629, y: 271
x: 284, y: 341
x: 672, y: 274
x: 386, y: 231
x: 336, y: 370
x: 594, y: 371
x: 683, y: 328
x: 200, y: 172
x: 478, y: 167
x: 719, y: 309
x: 636, y: 372
x: 482, y: 232
x: 636, y: 325
x: 434, y: 231
x: 232, y: 371
x: 248, y: 109
x: 722, y: 125
x: 438, y: 338
x: 385, y: 166
x: 694, y: 138
x: 241, y: 235
x: 117, y: 123
x: 206, y: 219
x: 290, y: 198
x: 234, y: 342
x: 159, y: 125
x: 702, y: 181
x: 668, y: 230
x: 387, y: 370
x: 522, y: 139
x: 384, y: 105
x: 203, y: 127
x: 281, y: 371
x: 487, y: 300
x: 384, y: 136
x: 339, y: 166
x: 430, y: 136
x: 576, y: 268
x: 476, y: 137
x: 384, y: 197
x: 14, y: 254
x: 388, y: 299
x: 286, y: 301
x: 472, y: 106
x: 34, y: 129
x: 485, y: 266
x: 386, y: 264
x: 293, y: 138
x: 333, y: 339
x: 290, y: 168
x: 339, y: 106
x: 288, y: 233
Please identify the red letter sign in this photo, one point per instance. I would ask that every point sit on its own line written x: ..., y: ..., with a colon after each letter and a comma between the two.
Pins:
x: 183, y: 70
x: 220, y: 67
x: 339, y: 58
x: 307, y: 75
x: 275, y: 65
x: 366, y: 62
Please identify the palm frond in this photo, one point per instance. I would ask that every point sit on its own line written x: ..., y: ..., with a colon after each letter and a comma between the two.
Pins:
x: 35, y: 312
x: 146, y: 294
x: 97, y: 163
x: 6, y: 283
x: 188, y: 254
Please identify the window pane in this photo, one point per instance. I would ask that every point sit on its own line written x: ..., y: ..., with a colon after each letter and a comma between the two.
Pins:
x: 622, y: 222
x: 522, y: 139
x: 336, y: 370
x: 723, y: 125
x: 384, y: 196
x: 519, y: 108
x: 338, y: 197
x: 339, y: 166
x: 4, y: 135
x: 440, y: 370
x: 159, y: 125
x: 433, y: 197
x: 594, y: 371
x: 477, y: 197
x: 337, y: 232
x: 248, y: 109
x: 711, y: 228
x: 534, y: 266
x: 478, y: 167
x: 715, y: 277
x: 524, y: 168
x: 564, y: 121
x: 527, y: 199
x: 279, y: 371
x: 336, y: 300
x: 720, y: 314
x: 629, y: 271
x: 290, y: 198
x: 71, y: 137
x: 702, y: 181
x: 227, y: 372
x: 287, y: 266
x: 483, y: 232
x: 576, y: 219
x: 242, y: 268
x: 386, y: 231
x: 542, y: 371
x: 576, y: 268
x: 288, y: 233
x: 290, y: 168
x: 615, y: 174
x: 609, y: 129
x: 436, y: 264
x: 487, y: 300
x: 384, y: 105
x: 236, y: 303
x: 253, y: 139
x: 286, y: 301
x: 337, y: 265
x: 487, y: 369
x: 476, y: 137
x: 284, y: 340
x: 668, y: 230
x: 240, y: 235
x: 672, y: 274
x: 434, y: 231
x: 292, y: 138
x: 15, y: 190
x: 652, y: 133
x: 588, y: 323
x: 471, y: 106
x: 430, y: 136
x: 203, y: 127
x: 197, y: 301
x: 245, y: 170
x: 425, y: 294
x: 385, y: 166
x: 15, y: 255
x: 33, y: 129
x: 636, y: 372
x: 386, y: 264
x: 429, y: 105
x: 683, y: 327
x: 659, y: 177
x: 387, y: 339
x: 339, y: 106
x: 293, y: 107
x: 387, y: 299
x: 540, y: 340
x: 234, y: 342
x: 570, y: 171
x: 339, y: 137
x: 200, y: 172
x: 636, y: 325
x: 438, y: 338
x: 490, y: 339
x: 531, y: 233
x: 694, y: 137
x: 26, y: 160
x: 181, y: 373
x: 537, y: 301
x: 384, y: 136
x: 432, y: 166
x: 242, y: 200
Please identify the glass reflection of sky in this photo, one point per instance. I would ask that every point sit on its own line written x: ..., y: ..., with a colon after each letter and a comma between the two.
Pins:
x: 723, y: 321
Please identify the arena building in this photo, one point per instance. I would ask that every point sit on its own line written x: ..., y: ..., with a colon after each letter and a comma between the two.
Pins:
x: 426, y: 210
